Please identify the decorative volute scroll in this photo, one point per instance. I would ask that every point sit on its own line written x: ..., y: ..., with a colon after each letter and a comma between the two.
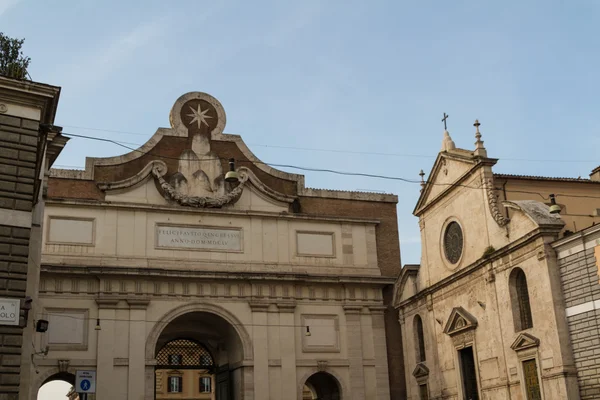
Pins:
x: 525, y: 341
x: 488, y: 185
x: 459, y: 321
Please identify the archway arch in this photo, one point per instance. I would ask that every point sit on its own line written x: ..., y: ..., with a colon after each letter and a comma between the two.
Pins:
x: 53, y: 375
x: 219, y: 311
x: 326, y: 385
x: 220, y: 334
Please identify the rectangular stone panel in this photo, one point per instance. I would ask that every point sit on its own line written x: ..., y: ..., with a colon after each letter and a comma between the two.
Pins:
x: 67, y: 329
x: 324, y: 334
x: 67, y: 230
x: 315, y: 244
x: 203, y: 238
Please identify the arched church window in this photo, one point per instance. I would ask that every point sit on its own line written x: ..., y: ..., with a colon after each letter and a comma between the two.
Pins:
x: 419, y: 338
x: 519, y: 294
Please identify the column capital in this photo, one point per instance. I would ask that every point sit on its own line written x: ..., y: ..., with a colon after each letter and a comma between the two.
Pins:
x: 259, y: 306
x: 287, y: 307
x: 138, y: 304
x: 377, y: 309
x: 107, y: 303
x: 353, y: 309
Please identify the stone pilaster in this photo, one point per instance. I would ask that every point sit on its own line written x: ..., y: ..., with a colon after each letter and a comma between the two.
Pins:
x: 137, y: 357
x: 355, y: 356
x: 273, y: 334
x: 381, y: 361
x: 261, y: 349
x: 105, y: 355
x: 287, y: 347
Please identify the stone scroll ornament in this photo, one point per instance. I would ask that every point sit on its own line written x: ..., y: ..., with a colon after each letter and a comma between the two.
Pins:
x: 234, y: 195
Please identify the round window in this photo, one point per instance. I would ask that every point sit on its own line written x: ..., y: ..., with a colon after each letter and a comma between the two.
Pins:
x: 453, y: 242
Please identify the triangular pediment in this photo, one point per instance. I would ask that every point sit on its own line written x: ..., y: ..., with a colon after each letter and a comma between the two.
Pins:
x: 459, y: 321
x: 450, y: 169
x: 405, y: 285
x: 420, y: 371
x: 525, y: 341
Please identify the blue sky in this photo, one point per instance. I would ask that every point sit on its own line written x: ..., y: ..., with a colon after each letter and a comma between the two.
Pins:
x: 371, y: 77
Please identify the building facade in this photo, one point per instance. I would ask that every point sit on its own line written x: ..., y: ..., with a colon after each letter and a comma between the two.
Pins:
x: 189, y: 267
x: 483, y: 316
x: 579, y: 261
x: 29, y: 144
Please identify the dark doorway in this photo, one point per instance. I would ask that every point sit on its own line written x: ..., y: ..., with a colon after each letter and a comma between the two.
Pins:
x: 321, y: 386
x: 469, y: 376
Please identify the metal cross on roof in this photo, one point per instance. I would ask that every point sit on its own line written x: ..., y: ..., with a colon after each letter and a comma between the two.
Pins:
x: 444, y: 120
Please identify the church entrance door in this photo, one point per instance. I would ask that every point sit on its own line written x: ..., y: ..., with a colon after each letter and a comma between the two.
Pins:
x: 469, y: 376
x: 532, y: 384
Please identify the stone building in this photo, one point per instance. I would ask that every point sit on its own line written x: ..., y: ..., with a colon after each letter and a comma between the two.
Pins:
x: 29, y: 144
x: 579, y: 261
x: 189, y: 254
x: 483, y: 316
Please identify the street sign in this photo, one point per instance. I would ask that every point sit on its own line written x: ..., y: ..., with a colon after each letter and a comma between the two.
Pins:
x: 85, y: 382
x: 9, y: 311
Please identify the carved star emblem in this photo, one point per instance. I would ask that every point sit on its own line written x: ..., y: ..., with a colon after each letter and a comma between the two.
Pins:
x: 199, y: 116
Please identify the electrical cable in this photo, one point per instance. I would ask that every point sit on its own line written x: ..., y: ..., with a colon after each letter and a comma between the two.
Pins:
x: 333, y: 150
x: 322, y: 169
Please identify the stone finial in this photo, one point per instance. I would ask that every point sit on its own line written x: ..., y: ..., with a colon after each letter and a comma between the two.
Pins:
x: 479, y: 149
x: 422, y: 175
x: 447, y: 142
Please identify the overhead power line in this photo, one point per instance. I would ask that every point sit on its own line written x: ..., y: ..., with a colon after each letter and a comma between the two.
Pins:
x: 334, y: 150
x: 309, y: 169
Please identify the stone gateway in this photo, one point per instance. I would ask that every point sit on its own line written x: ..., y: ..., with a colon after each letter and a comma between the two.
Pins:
x: 190, y: 269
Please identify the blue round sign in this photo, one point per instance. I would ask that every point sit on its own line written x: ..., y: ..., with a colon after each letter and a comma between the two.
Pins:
x: 85, y: 385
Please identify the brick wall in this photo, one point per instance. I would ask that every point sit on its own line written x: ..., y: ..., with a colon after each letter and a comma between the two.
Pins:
x: 579, y: 275
x: 18, y: 149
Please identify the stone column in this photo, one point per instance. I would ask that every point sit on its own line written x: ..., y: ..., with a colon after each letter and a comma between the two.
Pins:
x: 355, y: 358
x: 381, y: 361
x: 261, y: 350
x: 289, y: 385
x: 137, y: 348
x: 106, y: 340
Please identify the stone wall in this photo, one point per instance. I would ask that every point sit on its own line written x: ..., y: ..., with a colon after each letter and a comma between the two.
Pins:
x: 579, y: 275
x: 18, y: 149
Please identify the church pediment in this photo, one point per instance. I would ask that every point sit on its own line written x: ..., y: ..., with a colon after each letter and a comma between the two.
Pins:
x: 451, y: 167
x: 459, y: 321
x: 421, y: 371
x: 405, y: 285
x: 525, y: 341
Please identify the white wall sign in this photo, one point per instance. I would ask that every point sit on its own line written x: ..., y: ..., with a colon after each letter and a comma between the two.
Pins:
x: 198, y: 238
x: 85, y: 381
x: 9, y: 311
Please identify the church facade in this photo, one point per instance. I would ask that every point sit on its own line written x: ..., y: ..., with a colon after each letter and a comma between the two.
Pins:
x: 188, y: 268
x: 484, y: 315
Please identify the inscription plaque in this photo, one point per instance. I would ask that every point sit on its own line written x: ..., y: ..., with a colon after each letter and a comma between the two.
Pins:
x: 198, y: 238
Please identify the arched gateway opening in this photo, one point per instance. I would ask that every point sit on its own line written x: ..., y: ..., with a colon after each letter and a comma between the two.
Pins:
x: 199, y: 356
x: 57, y: 386
x: 321, y: 386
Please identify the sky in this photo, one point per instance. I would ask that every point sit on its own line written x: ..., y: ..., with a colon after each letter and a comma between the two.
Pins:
x: 361, y: 85
x: 339, y: 84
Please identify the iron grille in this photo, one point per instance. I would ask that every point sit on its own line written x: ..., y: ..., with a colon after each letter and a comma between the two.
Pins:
x: 184, y: 353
